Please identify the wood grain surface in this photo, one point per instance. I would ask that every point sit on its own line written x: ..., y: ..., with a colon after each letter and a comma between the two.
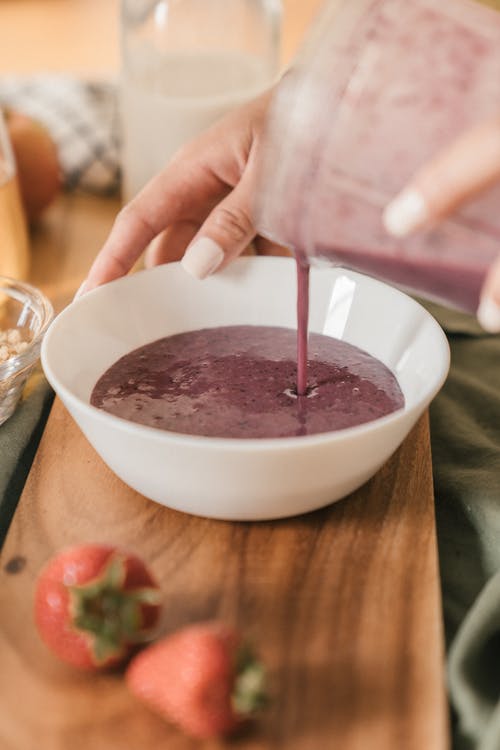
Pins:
x: 343, y: 605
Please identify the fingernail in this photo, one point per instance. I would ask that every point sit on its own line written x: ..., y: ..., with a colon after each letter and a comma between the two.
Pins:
x: 408, y: 211
x: 81, y: 290
x: 488, y: 314
x: 202, y: 258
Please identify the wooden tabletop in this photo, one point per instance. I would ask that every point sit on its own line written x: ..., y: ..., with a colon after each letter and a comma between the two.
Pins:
x: 343, y: 603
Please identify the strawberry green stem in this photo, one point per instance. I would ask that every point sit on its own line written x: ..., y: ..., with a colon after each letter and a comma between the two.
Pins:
x: 109, y: 614
x: 249, y: 694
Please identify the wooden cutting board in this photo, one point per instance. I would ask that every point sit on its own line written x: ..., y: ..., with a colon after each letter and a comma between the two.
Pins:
x: 343, y: 605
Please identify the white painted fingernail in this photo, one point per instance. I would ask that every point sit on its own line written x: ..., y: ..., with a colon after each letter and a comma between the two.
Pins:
x: 81, y: 290
x: 488, y: 314
x: 202, y: 258
x: 408, y: 211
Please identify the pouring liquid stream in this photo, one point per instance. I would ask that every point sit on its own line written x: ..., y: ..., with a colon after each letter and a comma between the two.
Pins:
x: 302, y: 323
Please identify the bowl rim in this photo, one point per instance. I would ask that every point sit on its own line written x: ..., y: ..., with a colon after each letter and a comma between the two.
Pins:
x: 19, y: 362
x: 239, y: 444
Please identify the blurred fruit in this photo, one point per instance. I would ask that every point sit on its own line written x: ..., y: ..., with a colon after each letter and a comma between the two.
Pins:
x: 200, y: 678
x: 38, y: 168
x: 93, y: 603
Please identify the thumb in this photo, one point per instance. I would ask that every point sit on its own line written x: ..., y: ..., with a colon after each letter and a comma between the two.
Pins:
x: 489, y: 307
x: 465, y: 168
x: 225, y: 233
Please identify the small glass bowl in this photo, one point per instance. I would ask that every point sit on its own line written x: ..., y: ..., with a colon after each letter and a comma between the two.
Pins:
x: 25, y: 308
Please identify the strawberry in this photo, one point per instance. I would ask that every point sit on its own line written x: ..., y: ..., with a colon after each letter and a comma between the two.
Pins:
x: 201, y: 678
x: 93, y: 602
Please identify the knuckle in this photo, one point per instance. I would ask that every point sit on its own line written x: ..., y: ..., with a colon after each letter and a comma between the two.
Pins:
x: 183, y: 153
x: 117, y: 264
x: 125, y: 214
x: 234, y: 221
x: 130, y: 218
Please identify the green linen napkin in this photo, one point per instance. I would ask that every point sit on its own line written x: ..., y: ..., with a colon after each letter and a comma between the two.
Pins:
x: 19, y: 438
x: 474, y: 671
x: 465, y: 439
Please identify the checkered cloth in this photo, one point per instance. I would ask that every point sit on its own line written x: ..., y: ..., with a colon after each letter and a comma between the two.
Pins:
x: 83, y: 120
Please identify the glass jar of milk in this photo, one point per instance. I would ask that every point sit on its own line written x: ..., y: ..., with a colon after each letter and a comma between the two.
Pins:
x: 185, y: 63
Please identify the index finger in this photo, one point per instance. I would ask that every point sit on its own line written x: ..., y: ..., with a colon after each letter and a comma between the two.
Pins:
x: 180, y: 191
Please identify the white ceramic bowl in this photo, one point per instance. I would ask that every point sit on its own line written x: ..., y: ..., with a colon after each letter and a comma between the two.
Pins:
x: 240, y: 479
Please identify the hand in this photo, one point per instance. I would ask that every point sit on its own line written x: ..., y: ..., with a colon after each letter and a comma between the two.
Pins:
x: 201, y: 201
x: 468, y: 166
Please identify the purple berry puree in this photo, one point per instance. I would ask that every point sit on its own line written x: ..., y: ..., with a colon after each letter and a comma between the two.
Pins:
x: 240, y: 382
x: 398, y: 82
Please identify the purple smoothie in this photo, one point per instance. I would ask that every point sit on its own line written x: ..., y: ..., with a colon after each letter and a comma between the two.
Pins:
x: 240, y: 382
x: 430, y: 266
x: 381, y: 88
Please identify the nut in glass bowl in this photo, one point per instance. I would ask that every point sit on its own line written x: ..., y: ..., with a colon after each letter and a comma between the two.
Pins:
x: 25, y: 314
